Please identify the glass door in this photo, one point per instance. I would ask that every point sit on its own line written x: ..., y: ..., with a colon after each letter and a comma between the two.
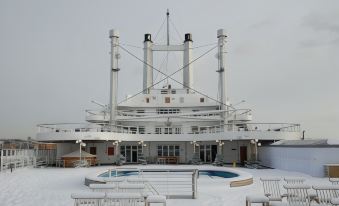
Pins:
x: 131, y: 153
x: 208, y: 153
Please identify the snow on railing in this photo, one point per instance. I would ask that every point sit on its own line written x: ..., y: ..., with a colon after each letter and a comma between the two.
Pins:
x: 132, y: 129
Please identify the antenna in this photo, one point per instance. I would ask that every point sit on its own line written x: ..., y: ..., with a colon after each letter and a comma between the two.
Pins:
x: 99, y: 104
x: 167, y: 14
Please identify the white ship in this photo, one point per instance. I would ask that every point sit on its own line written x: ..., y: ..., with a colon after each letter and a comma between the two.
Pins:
x: 166, y: 123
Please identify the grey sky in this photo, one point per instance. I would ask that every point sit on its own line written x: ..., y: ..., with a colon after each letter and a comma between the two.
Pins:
x: 282, y: 57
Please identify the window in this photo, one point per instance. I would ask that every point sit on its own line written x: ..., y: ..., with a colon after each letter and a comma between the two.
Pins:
x: 157, y: 130
x: 147, y: 100
x: 110, y: 151
x: 177, y: 130
x: 173, y: 91
x: 195, y: 129
x: 133, y: 130
x: 93, y: 150
x: 163, y: 91
x: 167, y: 100
x: 169, y: 150
x: 202, y: 99
x: 168, y: 130
x: 141, y: 130
x: 168, y: 111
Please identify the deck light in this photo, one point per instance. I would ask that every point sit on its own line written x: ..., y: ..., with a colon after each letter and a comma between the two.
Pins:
x: 81, y: 144
x: 220, y: 144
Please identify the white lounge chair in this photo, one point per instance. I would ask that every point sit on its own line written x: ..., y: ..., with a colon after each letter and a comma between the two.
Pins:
x: 137, y: 180
x: 325, y: 193
x: 114, y: 180
x: 88, y: 199
x: 156, y: 199
x: 294, y: 180
x: 257, y: 199
x: 102, y: 187
x: 272, y: 189
x: 334, y: 180
x: 127, y: 187
x: 297, y: 195
x: 124, y: 199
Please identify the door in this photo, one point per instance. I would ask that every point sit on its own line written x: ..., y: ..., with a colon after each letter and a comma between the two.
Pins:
x: 134, y: 156
x: 243, y: 154
x: 208, y: 153
x: 214, y: 152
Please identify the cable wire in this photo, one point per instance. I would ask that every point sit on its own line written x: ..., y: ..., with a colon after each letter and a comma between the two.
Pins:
x: 169, y: 76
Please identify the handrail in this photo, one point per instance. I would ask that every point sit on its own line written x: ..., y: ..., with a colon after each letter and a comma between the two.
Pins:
x: 198, y: 129
x: 169, y: 182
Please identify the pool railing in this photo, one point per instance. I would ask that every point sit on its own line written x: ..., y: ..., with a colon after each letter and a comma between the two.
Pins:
x: 173, y: 183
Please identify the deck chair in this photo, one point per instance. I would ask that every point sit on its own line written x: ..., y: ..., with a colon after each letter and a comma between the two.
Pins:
x: 334, y: 180
x: 219, y: 160
x: 326, y: 193
x: 142, y: 159
x: 196, y: 159
x: 272, y: 189
x: 102, y: 187
x: 297, y: 195
x: 124, y: 199
x: 88, y: 199
x: 294, y: 180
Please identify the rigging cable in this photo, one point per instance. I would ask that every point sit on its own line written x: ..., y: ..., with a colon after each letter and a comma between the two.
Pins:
x: 176, y: 30
x: 169, y: 76
x: 156, y: 35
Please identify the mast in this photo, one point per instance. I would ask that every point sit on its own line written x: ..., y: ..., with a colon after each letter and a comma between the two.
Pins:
x: 167, y: 15
x: 114, y: 36
x: 221, y: 34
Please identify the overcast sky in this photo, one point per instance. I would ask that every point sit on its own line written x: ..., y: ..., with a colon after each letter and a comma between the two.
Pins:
x: 283, y: 57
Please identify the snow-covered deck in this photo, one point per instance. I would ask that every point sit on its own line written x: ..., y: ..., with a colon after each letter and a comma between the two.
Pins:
x: 53, y: 186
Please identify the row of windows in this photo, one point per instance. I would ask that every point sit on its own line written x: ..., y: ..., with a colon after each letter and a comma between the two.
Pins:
x: 8, y: 152
x: 168, y: 111
x: 168, y: 99
x: 167, y: 130
x: 169, y: 150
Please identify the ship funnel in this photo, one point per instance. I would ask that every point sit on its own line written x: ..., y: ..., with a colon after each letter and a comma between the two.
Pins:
x: 148, y: 64
x: 188, y: 68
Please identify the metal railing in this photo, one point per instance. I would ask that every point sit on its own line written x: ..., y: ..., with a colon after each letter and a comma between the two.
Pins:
x: 173, y: 183
x: 131, y: 129
x: 16, y: 158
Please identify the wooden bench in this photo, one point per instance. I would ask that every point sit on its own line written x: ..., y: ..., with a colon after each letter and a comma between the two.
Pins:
x: 240, y: 183
x: 167, y: 159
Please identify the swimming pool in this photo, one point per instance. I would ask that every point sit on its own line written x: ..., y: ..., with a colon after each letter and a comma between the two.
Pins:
x: 210, y: 173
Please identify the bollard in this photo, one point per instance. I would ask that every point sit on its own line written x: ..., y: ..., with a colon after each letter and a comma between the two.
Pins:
x: 234, y: 164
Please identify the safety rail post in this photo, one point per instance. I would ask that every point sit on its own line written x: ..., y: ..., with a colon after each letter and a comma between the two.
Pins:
x: 194, y: 184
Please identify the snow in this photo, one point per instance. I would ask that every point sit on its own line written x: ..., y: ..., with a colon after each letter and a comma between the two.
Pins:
x: 54, y: 186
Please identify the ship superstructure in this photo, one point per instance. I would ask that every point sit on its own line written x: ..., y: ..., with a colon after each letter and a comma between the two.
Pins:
x: 167, y: 122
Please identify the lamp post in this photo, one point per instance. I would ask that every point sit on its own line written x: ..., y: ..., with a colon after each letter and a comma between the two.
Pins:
x: 116, y: 144
x: 195, y: 144
x: 256, y: 144
x: 142, y: 146
x: 220, y: 144
x: 81, y: 144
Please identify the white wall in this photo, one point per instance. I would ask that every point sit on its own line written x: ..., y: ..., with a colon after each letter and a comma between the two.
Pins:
x: 309, y: 160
